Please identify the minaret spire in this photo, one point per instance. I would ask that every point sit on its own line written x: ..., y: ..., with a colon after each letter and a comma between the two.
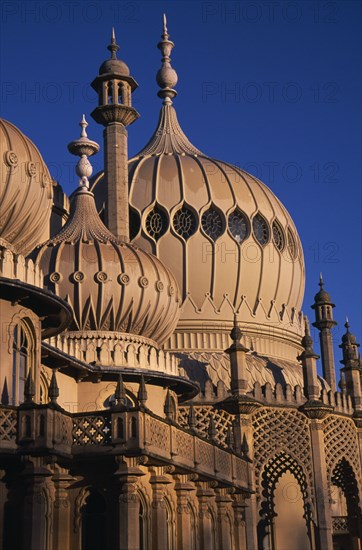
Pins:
x: 115, y: 86
x: 166, y: 76
x: 324, y: 322
x: 113, y: 46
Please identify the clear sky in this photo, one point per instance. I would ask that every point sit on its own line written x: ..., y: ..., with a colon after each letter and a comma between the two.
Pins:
x: 272, y: 86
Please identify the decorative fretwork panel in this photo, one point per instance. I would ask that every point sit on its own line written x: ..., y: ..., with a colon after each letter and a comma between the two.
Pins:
x: 8, y: 424
x: 340, y: 439
x: 92, y: 430
x: 340, y: 525
x: 278, y: 430
x: 222, y: 421
x: 158, y: 434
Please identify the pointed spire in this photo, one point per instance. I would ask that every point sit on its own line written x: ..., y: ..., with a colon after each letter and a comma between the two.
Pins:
x: 120, y: 393
x: 230, y: 438
x: 142, y: 392
x: 29, y: 388
x: 212, y: 429
x: 169, y: 407
x: 245, y: 446
x: 192, y: 418
x: 113, y: 46
x: 321, y: 282
x: 53, y: 388
x: 166, y: 76
x: 307, y: 340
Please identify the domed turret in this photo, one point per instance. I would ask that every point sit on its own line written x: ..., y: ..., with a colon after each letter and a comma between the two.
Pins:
x: 111, y: 285
x: 26, y: 191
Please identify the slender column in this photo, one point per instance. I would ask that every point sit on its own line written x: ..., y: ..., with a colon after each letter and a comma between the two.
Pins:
x: 35, y: 521
x: 239, y: 521
x: 223, y: 503
x: 185, y: 529
x: 128, y: 474
x: 3, y: 500
x: 327, y: 354
x: 321, y: 486
x: 61, y: 514
x: 116, y: 172
x: 207, y: 534
x: 159, y: 481
x: 251, y: 512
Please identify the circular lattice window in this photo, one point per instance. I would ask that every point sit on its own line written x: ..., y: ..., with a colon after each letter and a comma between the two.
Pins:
x: 184, y: 222
x: 260, y: 229
x: 156, y: 223
x: 278, y: 235
x: 212, y: 223
x: 238, y: 225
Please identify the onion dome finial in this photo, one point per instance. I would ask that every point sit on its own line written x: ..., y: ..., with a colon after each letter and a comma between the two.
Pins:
x: 83, y: 148
x: 166, y: 77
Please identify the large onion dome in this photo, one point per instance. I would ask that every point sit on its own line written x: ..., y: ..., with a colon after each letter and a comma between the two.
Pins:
x: 111, y: 285
x: 230, y: 242
x: 26, y: 192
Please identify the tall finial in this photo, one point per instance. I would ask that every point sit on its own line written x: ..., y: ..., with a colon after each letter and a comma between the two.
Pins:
x: 83, y: 148
x: 113, y: 46
x: 166, y: 76
x: 346, y: 324
x: 321, y: 282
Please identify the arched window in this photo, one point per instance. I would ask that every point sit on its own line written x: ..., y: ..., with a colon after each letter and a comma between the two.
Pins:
x: 94, y: 533
x: 169, y: 525
x: 142, y: 523
x: 23, y: 346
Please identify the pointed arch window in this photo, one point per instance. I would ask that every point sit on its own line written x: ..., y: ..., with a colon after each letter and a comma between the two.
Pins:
x: 23, y: 347
x: 142, y: 522
x: 261, y: 229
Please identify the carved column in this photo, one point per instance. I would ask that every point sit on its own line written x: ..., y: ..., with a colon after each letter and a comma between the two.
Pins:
x: 250, y: 511
x: 159, y: 482
x: 239, y: 521
x: 61, y: 514
x: 3, y: 500
x: 223, y: 503
x: 321, y: 485
x: 128, y: 474
x: 35, y: 505
x: 207, y: 528
x: 185, y: 531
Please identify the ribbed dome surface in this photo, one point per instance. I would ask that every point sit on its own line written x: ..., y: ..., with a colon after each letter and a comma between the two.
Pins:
x: 112, y: 286
x: 229, y: 241
x: 26, y: 192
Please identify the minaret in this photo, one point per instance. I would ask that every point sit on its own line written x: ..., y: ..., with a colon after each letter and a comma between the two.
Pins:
x: 352, y: 368
x: 237, y: 353
x: 324, y: 322
x: 114, y: 86
x: 309, y: 363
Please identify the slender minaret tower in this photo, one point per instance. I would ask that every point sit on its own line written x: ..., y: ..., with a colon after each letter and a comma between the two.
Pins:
x: 352, y: 368
x: 114, y: 86
x: 308, y: 359
x: 324, y: 322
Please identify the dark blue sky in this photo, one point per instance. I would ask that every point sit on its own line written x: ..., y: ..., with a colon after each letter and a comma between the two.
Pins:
x: 273, y: 87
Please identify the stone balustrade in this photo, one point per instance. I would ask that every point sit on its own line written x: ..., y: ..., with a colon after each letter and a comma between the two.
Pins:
x: 110, y: 349
x: 15, y: 266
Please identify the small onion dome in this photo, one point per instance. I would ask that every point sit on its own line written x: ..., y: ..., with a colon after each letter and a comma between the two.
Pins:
x: 114, y: 65
x: 26, y: 191
x: 111, y: 285
x: 322, y: 296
